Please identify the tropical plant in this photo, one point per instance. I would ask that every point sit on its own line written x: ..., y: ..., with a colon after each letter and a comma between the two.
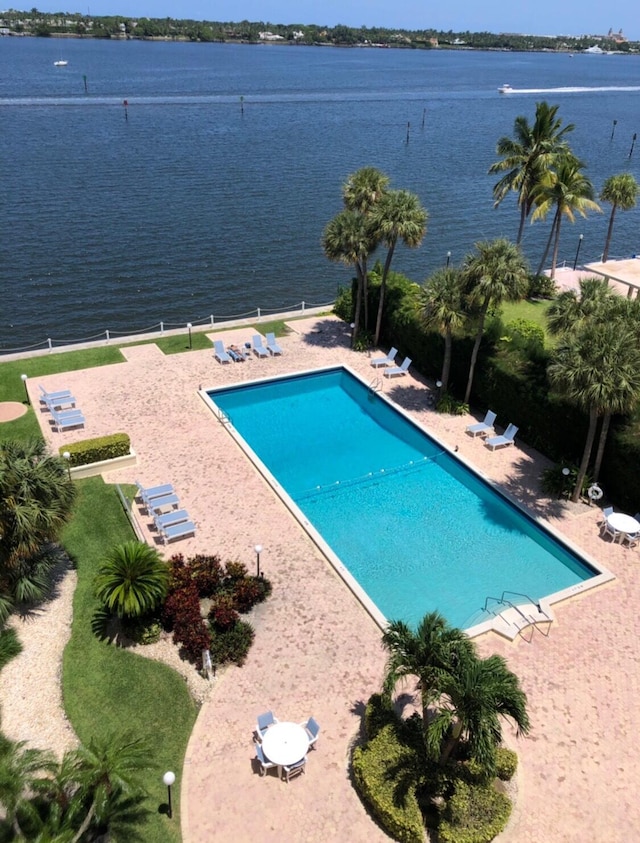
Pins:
x: 527, y: 156
x: 473, y: 700
x: 348, y: 238
x: 397, y: 215
x: 22, y: 771
x: 598, y: 369
x: 432, y: 652
x: 569, y: 192
x: 497, y: 272
x: 572, y: 309
x: 441, y: 307
x: 133, y: 581
x: 621, y: 191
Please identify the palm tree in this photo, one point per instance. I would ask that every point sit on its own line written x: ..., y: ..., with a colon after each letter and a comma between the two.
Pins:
x: 441, y: 307
x: 497, y: 273
x: 527, y: 156
x: 474, y: 699
x: 598, y: 369
x: 22, y: 771
x: 397, y: 215
x: 572, y: 309
x: 133, y: 581
x: 622, y: 192
x: 348, y: 238
x: 36, y: 497
x: 360, y: 193
x: 105, y: 771
x: 432, y: 652
x: 567, y: 190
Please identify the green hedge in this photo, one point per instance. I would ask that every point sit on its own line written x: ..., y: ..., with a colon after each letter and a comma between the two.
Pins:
x: 506, y: 763
x: 474, y: 814
x: 399, y: 815
x: 97, y: 450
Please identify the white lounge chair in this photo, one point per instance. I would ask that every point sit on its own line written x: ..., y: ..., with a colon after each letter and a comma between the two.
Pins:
x: 272, y: 345
x: 389, y: 360
x: 219, y: 353
x: 158, y: 504
x: 67, y: 419
x: 176, y: 516
x: 500, y: 441
x: 258, y: 348
x: 64, y: 402
x: 147, y: 494
x: 48, y: 396
x: 178, y: 531
x: 485, y: 427
x: 392, y: 371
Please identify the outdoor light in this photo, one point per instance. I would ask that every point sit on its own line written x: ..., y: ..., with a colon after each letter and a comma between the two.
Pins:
x: 67, y: 457
x: 448, y: 258
x: 258, y: 550
x: 566, y: 472
x: 578, y: 250
x: 189, y: 326
x: 439, y: 384
x: 24, y: 381
x: 169, y: 778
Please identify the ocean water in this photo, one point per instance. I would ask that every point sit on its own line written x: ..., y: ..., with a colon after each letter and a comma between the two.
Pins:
x: 416, y: 528
x: 212, y: 195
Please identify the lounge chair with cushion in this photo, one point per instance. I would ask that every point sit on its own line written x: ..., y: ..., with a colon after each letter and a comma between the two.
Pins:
x: 312, y: 728
x: 258, y: 348
x: 219, y: 353
x: 52, y: 396
x: 500, y: 441
x: 176, y: 516
x: 293, y: 769
x: 66, y: 419
x: 158, y: 504
x: 392, y: 371
x: 483, y: 428
x: 264, y: 762
x: 263, y: 722
x: 178, y: 531
x: 152, y: 492
x: 64, y: 402
x: 272, y: 345
x: 389, y: 360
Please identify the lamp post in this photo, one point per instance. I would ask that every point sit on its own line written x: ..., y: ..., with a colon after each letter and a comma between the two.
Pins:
x: 26, y: 391
x: 189, y: 326
x: 67, y: 457
x: 258, y: 550
x: 578, y: 250
x: 169, y: 778
x: 448, y: 259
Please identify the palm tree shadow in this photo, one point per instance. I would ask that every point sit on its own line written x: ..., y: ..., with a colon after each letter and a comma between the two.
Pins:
x: 328, y: 333
x: 410, y: 397
x: 524, y: 484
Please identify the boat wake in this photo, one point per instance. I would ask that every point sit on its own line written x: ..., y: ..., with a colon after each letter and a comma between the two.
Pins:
x: 571, y: 90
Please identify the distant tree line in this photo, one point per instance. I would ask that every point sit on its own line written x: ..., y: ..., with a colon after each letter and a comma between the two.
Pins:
x: 43, y: 24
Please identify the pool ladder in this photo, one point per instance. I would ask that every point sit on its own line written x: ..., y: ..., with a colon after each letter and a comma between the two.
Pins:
x: 375, y: 386
x: 524, y: 620
x: 224, y: 418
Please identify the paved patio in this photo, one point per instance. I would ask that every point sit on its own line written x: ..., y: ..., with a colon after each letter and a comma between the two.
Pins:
x: 318, y: 652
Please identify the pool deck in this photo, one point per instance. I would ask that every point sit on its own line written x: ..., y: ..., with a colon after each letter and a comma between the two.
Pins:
x: 318, y: 652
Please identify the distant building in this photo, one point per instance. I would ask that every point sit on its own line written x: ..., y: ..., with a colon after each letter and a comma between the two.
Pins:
x: 269, y: 36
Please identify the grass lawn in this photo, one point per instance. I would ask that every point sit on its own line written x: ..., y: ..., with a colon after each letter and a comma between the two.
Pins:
x: 108, y: 690
x: 533, y: 311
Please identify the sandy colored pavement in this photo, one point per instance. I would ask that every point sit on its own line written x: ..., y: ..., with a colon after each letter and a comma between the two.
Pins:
x: 318, y: 652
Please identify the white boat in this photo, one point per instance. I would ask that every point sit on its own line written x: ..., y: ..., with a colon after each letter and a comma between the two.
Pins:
x: 60, y: 63
x: 505, y: 89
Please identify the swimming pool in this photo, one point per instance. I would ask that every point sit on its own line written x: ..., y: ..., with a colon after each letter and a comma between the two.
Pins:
x: 416, y: 528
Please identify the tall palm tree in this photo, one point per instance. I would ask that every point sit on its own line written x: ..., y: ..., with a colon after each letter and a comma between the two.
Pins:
x: 22, y: 770
x: 621, y: 191
x: 497, y: 272
x: 397, y: 215
x: 36, y: 498
x: 348, y: 238
x: 133, y: 581
x: 572, y: 309
x: 598, y: 369
x: 527, y: 156
x: 360, y: 193
x: 441, y: 307
x: 474, y: 700
x: 433, y: 650
x: 567, y: 190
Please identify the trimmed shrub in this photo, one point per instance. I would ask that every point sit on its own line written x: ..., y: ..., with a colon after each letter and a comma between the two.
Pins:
x: 232, y: 644
x: 207, y: 573
x: 392, y: 802
x: 249, y: 591
x: 144, y: 630
x: 474, y: 814
x: 96, y: 450
x: 378, y: 714
x: 235, y: 571
x: 506, y: 763
x: 541, y: 287
x: 223, y: 614
x: 527, y: 336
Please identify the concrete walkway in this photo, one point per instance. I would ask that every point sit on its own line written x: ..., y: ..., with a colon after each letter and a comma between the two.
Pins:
x: 318, y: 652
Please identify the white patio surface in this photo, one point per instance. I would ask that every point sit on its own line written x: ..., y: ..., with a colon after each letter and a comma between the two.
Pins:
x: 318, y: 652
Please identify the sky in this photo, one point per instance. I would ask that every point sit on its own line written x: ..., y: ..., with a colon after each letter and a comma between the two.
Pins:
x: 544, y: 17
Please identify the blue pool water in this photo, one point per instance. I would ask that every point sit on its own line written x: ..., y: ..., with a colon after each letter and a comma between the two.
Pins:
x: 416, y: 528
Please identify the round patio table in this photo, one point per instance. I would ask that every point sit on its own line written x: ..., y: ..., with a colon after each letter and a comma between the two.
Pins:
x: 623, y: 523
x: 285, y: 743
